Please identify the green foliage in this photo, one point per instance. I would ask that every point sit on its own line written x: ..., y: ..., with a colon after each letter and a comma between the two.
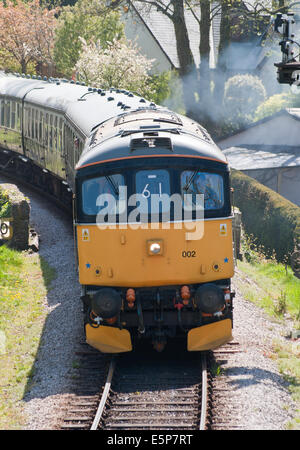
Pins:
x: 5, y: 205
x: 88, y: 20
x: 23, y: 289
x: 276, y: 103
x: 274, y: 287
x: 10, y: 263
x: 270, y: 218
x: 242, y: 95
x: 174, y: 100
x: 165, y: 87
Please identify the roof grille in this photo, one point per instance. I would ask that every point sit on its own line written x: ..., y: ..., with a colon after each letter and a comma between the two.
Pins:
x: 151, y: 142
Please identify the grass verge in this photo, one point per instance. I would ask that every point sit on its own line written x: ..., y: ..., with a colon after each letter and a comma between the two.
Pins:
x: 24, y: 281
x: 273, y: 287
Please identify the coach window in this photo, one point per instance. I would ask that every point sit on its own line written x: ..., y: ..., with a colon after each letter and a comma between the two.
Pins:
x: 7, y: 113
x: 36, y: 124
x: 18, y: 117
x: 41, y: 126
x: 32, y: 123
x: 77, y: 149
x: 51, y: 131
x: 2, y: 112
x: 73, y: 148
x: 13, y: 114
x: 54, y: 133
x: 60, y: 130
x: 46, y: 140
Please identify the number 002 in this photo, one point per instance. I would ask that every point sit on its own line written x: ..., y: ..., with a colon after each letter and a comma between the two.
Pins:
x: 189, y: 254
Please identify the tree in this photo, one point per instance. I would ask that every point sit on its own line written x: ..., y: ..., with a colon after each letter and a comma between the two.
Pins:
x: 175, y: 11
x: 27, y: 32
x: 118, y: 65
x: 240, y: 20
x: 90, y: 20
x: 276, y: 103
x: 242, y: 96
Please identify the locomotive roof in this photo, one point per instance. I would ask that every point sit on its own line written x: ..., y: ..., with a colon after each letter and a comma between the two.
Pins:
x: 149, y: 132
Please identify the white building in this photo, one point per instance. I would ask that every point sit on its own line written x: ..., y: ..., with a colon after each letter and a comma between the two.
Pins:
x: 269, y: 151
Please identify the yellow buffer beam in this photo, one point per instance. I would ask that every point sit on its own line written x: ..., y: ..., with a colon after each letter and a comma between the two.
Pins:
x: 209, y: 337
x: 108, y: 339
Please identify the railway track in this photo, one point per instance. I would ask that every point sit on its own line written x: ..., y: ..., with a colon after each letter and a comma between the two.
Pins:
x: 225, y: 402
x: 159, y: 392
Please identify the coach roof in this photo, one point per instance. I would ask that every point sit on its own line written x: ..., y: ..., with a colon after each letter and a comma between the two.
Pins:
x: 86, y: 107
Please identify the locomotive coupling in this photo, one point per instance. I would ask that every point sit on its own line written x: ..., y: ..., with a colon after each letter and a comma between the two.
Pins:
x: 106, y: 303
x: 130, y: 297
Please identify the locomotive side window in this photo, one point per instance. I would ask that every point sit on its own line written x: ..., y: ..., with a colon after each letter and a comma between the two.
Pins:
x: 210, y: 185
x: 93, y: 188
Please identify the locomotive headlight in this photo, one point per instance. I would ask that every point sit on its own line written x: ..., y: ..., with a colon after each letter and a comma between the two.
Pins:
x: 155, y: 247
x: 106, y: 303
x: 209, y: 298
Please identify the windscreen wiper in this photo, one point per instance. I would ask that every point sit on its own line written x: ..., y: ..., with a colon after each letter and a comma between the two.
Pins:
x: 115, y: 188
x: 190, y: 181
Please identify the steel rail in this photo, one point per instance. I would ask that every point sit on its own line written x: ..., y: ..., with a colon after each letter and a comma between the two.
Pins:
x: 204, y: 397
x: 105, y: 394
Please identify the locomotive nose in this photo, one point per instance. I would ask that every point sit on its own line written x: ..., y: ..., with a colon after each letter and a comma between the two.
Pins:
x: 106, y: 303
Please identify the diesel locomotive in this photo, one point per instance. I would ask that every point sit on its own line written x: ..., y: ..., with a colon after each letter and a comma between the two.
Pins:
x: 151, y: 205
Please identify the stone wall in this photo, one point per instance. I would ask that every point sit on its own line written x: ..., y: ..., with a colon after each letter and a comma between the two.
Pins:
x: 18, y: 220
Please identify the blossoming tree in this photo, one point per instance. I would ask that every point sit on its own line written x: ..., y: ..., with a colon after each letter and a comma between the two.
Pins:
x: 27, y: 32
x: 118, y: 65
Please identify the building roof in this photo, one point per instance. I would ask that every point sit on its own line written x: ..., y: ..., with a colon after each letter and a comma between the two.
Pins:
x: 242, y: 158
x: 162, y: 30
x: 293, y: 113
x: 241, y: 56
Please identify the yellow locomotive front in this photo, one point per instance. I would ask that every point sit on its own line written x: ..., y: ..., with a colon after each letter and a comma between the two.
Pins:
x: 155, y: 251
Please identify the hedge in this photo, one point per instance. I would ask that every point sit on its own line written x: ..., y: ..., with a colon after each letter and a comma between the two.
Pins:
x: 273, y: 220
x: 5, y: 205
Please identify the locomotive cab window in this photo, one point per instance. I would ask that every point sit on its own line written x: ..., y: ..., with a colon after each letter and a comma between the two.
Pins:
x: 93, y: 188
x: 151, y: 185
x: 210, y: 185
